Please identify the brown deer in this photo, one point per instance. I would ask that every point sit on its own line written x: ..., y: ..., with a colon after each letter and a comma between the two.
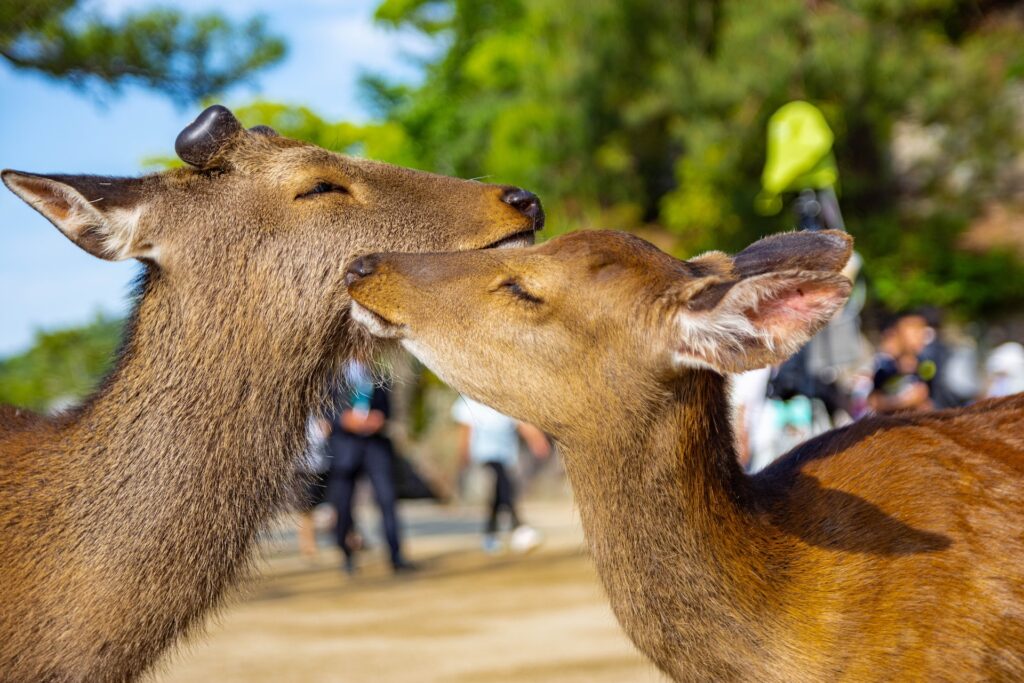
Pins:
x: 124, y: 521
x: 889, y: 550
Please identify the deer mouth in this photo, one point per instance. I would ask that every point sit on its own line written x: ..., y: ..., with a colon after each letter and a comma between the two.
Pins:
x: 375, y: 323
x: 516, y: 240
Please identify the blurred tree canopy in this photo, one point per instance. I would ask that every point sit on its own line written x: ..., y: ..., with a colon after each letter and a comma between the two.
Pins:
x: 187, y: 58
x: 61, y: 365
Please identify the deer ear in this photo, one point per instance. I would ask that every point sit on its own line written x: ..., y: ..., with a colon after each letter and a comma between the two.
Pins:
x: 782, y: 290
x: 99, y: 214
x: 823, y: 250
x: 758, y: 321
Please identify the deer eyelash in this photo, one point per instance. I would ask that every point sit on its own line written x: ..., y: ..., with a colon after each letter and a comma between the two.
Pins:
x: 517, y: 291
x: 322, y: 187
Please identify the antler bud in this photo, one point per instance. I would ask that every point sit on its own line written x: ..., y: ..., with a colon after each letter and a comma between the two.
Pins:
x: 202, y: 139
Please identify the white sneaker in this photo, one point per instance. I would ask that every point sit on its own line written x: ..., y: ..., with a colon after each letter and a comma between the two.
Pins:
x: 524, y: 539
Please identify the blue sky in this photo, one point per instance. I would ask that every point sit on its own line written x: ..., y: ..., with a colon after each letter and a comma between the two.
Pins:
x: 45, y: 126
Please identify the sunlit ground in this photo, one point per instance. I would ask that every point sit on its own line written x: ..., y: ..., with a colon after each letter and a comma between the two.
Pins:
x: 466, y: 617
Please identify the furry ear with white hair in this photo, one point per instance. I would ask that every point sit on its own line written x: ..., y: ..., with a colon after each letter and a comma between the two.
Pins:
x: 761, y: 306
x: 101, y: 215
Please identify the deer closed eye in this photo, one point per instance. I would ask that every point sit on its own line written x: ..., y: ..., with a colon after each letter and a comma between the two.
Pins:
x: 514, y: 288
x: 322, y: 187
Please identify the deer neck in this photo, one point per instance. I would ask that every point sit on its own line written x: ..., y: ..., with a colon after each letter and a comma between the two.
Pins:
x: 669, y: 520
x: 181, y: 459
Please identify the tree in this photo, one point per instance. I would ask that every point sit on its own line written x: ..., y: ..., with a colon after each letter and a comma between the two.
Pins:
x: 61, y: 365
x: 188, y: 58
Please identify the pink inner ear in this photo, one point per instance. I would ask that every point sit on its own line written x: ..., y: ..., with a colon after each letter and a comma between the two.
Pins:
x: 795, y: 308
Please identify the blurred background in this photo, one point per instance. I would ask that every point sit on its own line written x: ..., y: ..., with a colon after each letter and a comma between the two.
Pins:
x: 662, y: 118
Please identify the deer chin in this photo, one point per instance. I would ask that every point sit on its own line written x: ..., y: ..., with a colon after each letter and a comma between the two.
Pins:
x: 523, y: 238
x: 377, y: 325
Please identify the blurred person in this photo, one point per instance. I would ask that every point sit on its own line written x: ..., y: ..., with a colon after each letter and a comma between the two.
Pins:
x: 794, y: 421
x: 934, y: 361
x: 897, y: 382
x: 491, y: 439
x: 359, y: 445
x: 801, y: 404
x: 750, y: 397
x: 1004, y: 370
x: 861, y: 386
x: 314, y: 471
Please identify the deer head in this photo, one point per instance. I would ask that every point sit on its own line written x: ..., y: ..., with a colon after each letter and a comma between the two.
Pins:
x: 596, y: 321
x: 264, y: 224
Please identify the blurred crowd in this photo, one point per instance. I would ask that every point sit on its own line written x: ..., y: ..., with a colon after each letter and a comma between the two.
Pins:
x: 916, y: 364
x: 351, y: 445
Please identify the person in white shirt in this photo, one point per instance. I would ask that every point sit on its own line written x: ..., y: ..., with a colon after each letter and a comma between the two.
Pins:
x: 314, y: 470
x: 1005, y: 370
x: 491, y: 439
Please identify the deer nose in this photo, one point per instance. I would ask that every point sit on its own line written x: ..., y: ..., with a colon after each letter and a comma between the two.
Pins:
x: 360, y: 268
x: 526, y: 203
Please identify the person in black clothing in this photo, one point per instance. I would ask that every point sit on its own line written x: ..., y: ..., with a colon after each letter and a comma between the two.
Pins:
x: 359, y: 445
x: 933, y: 362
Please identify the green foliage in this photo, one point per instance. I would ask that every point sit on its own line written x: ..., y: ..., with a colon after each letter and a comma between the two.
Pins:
x: 652, y: 114
x: 386, y: 140
x: 186, y: 57
x: 61, y: 365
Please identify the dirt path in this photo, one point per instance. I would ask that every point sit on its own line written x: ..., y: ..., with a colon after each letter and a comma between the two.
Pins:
x: 466, y: 618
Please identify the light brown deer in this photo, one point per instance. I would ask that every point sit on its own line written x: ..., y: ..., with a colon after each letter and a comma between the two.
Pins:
x: 124, y: 521
x: 890, y: 550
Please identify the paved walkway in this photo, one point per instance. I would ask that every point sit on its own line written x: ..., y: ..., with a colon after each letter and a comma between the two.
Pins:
x: 466, y: 618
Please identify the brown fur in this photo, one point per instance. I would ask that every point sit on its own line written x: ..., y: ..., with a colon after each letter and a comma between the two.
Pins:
x: 125, y: 521
x: 888, y: 550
